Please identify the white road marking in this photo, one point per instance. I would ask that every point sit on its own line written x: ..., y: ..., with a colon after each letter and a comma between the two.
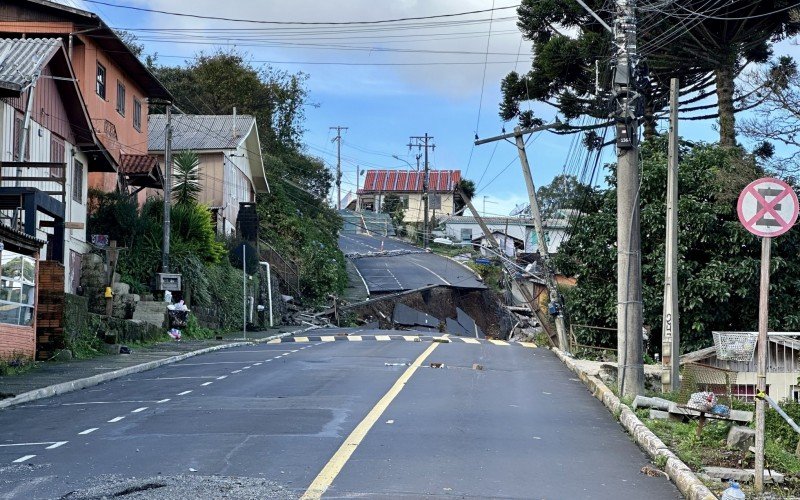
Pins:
x: 88, y: 431
x: 97, y: 403
x: 115, y: 419
x: 301, y: 339
x: 295, y: 350
x: 207, y: 383
x: 430, y: 271
x: 274, y: 341
x: 354, y: 338
x: 498, y: 342
x: 56, y: 445
x: 285, y: 354
x: 177, y: 378
x: 328, y: 338
x: 410, y: 338
x: 267, y: 360
x: 256, y: 364
x: 236, y: 371
x: 30, y: 444
x: 183, y: 393
x: 246, y: 367
x: 277, y: 357
x: 468, y: 340
x: 139, y: 410
x: 222, y: 377
x: 178, y: 365
x: 383, y: 338
x: 23, y: 459
x: 162, y: 400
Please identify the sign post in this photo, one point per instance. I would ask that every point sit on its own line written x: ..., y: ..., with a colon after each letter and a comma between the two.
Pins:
x: 768, y: 208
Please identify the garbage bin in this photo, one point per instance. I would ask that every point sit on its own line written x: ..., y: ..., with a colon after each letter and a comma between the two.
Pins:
x: 178, y: 319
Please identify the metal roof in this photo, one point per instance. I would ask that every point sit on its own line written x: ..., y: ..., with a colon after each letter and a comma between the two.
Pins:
x: 199, y: 132
x: 511, y: 221
x: 22, y: 60
x: 410, y: 181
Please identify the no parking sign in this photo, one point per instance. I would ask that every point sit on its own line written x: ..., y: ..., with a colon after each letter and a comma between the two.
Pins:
x: 768, y: 207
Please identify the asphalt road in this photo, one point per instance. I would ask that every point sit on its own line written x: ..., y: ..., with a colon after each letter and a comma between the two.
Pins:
x: 386, y: 274
x: 264, y: 421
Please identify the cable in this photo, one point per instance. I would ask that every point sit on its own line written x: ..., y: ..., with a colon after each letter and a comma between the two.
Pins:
x: 300, y: 23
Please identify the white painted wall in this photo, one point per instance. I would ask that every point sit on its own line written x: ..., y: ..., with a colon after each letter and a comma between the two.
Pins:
x: 525, y: 232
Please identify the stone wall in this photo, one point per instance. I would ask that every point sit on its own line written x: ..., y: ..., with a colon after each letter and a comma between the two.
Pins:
x: 79, y: 324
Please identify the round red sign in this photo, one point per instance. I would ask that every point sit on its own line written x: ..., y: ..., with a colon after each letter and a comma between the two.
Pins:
x: 768, y: 207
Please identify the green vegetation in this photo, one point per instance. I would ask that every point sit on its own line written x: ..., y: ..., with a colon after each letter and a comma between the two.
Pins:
x: 16, y: 364
x: 719, y: 259
x: 294, y: 215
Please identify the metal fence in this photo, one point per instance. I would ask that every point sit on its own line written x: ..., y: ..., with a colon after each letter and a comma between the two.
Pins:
x: 287, y: 271
x: 592, y: 345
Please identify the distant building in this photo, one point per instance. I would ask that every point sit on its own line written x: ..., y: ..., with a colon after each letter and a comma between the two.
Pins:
x: 231, y: 165
x: 463, y: 229
x: 408, y: 186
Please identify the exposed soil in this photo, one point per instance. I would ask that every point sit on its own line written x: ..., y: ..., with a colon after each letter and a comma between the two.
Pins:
x: 441, y: 302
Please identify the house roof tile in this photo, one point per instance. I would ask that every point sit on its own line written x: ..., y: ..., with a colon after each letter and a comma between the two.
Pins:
x: 410, y: 181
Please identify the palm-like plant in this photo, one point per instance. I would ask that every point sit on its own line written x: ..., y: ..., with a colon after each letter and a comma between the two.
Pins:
x: 187, y: 178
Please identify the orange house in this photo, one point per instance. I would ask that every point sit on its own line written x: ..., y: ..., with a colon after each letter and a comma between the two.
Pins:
x: 115, y: 84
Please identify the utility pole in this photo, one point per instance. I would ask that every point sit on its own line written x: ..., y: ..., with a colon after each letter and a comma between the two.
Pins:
x: 627, y: 102
x: 670, y: 333
x: 550, y: 279
x: 338, y: 140
x: 561, y: 330
x: 423, y: 142
x: 358, y: 183
x: 167, y: 189
x: 523, y: 287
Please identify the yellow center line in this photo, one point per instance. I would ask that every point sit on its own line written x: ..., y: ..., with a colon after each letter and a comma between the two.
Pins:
x: 498, y: 342
x: 335, y: 465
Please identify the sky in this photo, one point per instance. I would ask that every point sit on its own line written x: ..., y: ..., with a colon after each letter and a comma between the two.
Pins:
x: 384, y: 82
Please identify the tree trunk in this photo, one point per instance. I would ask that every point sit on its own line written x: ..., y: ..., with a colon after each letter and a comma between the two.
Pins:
x: 727, y: 120
x: 649, y: 121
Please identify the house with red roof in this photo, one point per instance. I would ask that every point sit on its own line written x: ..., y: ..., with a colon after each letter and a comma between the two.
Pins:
x: 408, y: 186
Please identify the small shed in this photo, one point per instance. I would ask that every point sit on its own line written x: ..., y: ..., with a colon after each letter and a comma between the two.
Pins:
x: 783, y: 365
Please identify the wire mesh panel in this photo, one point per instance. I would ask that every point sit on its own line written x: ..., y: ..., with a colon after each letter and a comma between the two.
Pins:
x: 696, y: 377
x: 735, y: 346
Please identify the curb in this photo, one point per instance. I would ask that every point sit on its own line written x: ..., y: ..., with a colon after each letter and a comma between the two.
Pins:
x: 679, y: 473
x: 82, y: 383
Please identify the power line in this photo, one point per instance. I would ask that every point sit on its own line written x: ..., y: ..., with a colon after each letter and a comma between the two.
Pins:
x: 297, y: 23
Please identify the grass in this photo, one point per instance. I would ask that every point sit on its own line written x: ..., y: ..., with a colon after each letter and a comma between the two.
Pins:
x: 16, y: 365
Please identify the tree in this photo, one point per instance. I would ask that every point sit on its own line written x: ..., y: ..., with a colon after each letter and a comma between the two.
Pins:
x: 719, y: 259
x: 776, y: 116
x: 187, y: 178
x: 294, y: 217
x: 564, y: 192
x: 393, y: 205
x: 466, y: 187
x: 703, y: 43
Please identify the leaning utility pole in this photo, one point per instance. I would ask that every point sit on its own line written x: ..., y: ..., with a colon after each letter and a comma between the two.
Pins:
x: 167, y: 189
x: 630, y: 366
x: 670, y: 333
x: 561, y: 330
x: 338, y: 140
x: 550, y: 279
x: 523, y: 287
x: 422, y: 142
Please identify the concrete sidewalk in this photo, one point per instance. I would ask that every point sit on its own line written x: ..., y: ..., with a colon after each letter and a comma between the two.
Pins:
x: 50, y: 373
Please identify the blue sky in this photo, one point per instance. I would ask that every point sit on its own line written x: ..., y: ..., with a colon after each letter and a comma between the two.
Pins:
x: 387, y: 84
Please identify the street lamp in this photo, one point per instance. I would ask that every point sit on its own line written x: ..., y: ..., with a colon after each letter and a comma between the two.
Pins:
x: 406, y: 162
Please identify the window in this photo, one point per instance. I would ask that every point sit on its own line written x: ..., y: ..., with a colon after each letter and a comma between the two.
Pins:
x: 101, y: 81
x: 466, y: 235
x: 137, y: 114
x: 17, y: 135
x: 77, y: 182
x: 17, y: 288
x: 120, y: 98
x: 435, y: 201
x: 404, y: 200
x: 56, y: 155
